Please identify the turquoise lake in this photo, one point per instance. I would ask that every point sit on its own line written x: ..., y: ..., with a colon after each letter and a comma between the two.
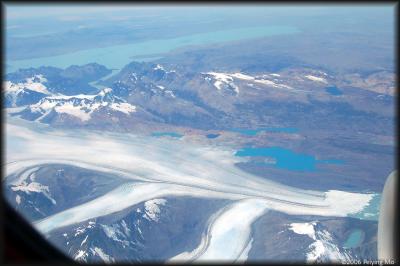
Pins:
x: 354, y: 239
x: 168, y: 134
x: 253, y: 132
x: 285, y: 158
x: 118, y: 56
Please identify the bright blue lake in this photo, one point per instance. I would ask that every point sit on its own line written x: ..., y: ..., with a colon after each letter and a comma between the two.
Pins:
x: 285, y: 158
x: 212, y: 136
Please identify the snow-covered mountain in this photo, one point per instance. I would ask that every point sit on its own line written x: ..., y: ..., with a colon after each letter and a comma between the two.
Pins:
x: 28, y: 86
x: 27, y: 92
x: 324, y: 248
x: 148, y: 92
x: 79, y: 107
x: 227, y: 80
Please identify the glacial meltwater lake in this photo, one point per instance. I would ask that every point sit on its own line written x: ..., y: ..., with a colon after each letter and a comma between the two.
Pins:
x: 253, y: 132
x: 166, y: 134
x: 285, y: 158
x: 120, y: 55
x: 354, y: 239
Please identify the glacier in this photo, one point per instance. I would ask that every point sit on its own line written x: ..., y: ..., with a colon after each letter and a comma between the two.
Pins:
x: 160, y: 167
